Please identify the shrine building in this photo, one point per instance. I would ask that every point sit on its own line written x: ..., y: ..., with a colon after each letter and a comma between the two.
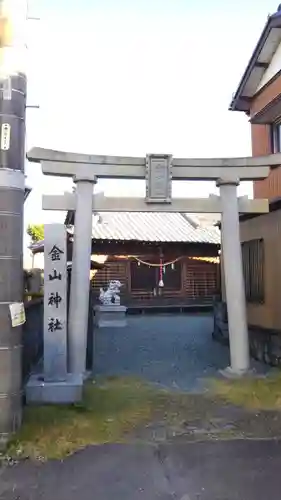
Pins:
x: 163, y: 260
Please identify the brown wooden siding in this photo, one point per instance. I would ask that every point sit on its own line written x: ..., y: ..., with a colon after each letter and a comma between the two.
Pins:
x: 266, y: 95
x: 152, y: 248
x: 269, y: 188
x: 198, y: 282
x: 261, y: 142
x: 113, y: 270
x: 200, y: 279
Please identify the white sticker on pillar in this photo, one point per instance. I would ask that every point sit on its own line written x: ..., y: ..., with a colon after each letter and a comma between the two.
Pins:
x: 55, y: 302
x: 5, y: 136
x: 17, y: 312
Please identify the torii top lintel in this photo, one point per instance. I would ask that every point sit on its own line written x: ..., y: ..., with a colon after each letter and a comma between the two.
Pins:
x: 70, y: 164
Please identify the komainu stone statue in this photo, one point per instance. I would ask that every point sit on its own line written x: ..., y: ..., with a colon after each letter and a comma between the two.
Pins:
x: 112, y: 294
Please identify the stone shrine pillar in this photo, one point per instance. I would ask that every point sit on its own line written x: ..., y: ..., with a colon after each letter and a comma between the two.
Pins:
x: 55, y: 384
x: 55, y: 303
x: 80, y: 276
x: 234, y: 279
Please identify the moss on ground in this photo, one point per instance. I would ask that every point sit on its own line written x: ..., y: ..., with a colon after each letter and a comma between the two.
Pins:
x: 107, y: 413
x: 122, y: 409
x: 251, y: 393
x: 113, y: 410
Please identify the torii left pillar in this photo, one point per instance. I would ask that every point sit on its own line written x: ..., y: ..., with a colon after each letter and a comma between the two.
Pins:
x: 80, y: 275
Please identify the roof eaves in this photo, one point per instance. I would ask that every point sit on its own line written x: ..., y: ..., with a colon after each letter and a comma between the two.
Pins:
x: 274, y: 205
x: 27, y: 191
x: 240, y: 102
x: 36, y: 247
x: 69, y: 218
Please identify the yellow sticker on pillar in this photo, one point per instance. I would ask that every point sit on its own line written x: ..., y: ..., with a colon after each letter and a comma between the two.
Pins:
x: 17, y: 312
x: 6, y: 30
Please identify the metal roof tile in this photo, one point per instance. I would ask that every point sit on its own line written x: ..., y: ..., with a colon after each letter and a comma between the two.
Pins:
x: 153, y: 227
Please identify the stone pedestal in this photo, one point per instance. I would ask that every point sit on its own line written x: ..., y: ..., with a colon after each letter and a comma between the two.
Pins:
x: 110, y: 315
x: 39, y: 391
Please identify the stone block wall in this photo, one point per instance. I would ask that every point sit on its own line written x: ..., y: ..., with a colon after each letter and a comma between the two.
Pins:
x: 265, y: 344
x: 32, y: 334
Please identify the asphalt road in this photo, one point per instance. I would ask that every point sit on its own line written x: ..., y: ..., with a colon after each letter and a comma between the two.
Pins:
x: 233, y: 470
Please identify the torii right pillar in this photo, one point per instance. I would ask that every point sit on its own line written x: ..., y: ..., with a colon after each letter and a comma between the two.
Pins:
x: 234, y: 279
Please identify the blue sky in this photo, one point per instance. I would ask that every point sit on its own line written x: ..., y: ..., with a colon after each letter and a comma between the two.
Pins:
x: 134, y: 77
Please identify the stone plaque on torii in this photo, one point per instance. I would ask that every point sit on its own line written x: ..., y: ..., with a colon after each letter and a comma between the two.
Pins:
x: 158, y: 171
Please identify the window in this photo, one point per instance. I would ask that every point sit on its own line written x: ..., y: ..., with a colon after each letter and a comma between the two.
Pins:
x: 275, y: 130
x: 142, y: 277
x: 204, y: 283
x: 172, y: 276
x: 145, y: 277
x: 253, y: 267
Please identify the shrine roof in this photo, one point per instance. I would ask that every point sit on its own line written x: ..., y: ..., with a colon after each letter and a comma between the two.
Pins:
x: 149, y: 227
x: 153, y: 227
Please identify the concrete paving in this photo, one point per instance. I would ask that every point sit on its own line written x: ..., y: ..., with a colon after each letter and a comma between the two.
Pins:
x: 234, y: 470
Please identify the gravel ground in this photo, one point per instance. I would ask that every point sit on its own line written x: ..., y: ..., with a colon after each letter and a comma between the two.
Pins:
x: 176, y: 350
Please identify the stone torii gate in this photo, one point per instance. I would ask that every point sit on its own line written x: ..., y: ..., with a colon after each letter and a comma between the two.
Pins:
x: 158, y: 171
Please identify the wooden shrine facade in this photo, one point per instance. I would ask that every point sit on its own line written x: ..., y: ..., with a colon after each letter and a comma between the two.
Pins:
x: 189, y: 272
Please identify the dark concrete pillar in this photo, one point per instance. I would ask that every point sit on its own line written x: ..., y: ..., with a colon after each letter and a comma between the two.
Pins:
x: 12, y: 159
